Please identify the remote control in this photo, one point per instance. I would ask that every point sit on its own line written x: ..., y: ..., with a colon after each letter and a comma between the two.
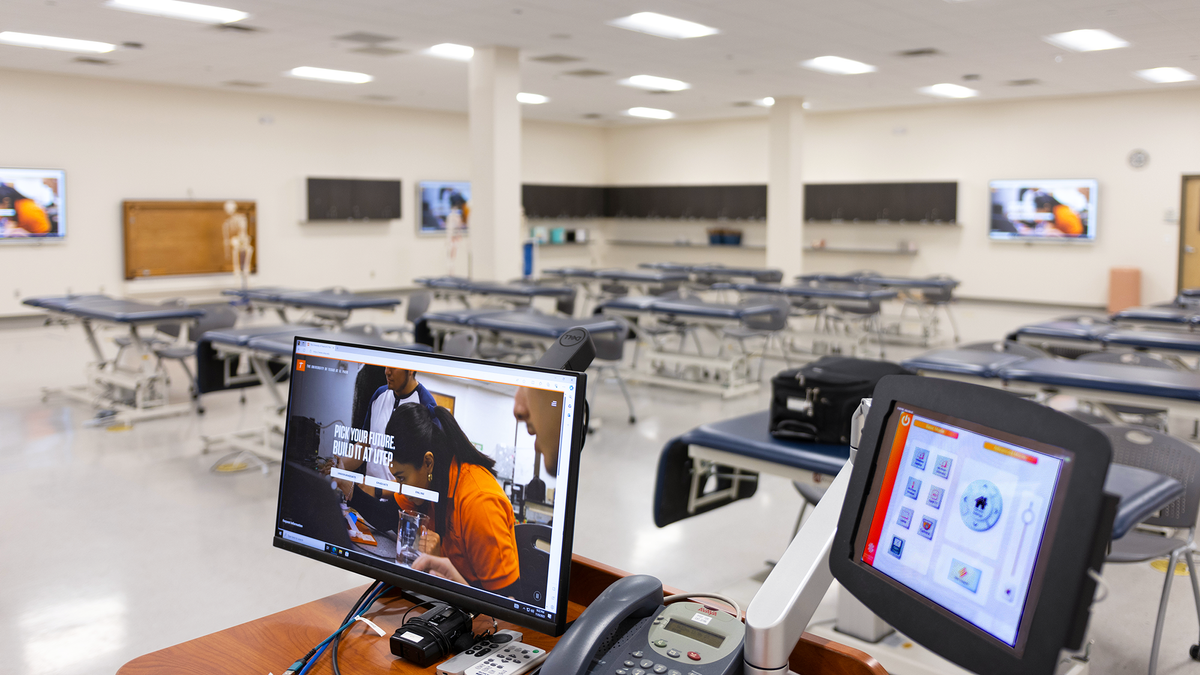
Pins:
x: 477, y: 652
x: 514, y: 658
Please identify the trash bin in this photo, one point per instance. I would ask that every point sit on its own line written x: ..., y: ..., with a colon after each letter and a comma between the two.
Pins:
x: 1124, y: 288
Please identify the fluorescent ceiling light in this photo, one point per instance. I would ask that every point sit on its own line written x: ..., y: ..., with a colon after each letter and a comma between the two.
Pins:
x: 1165, y: 75
x: 327, y: 75
x: 49, y: 42
x: 449, y: 50
x: 836, y: 65
x: 175, y: 9
x: 654, y: 83
x: 764, y: 102
x: 531, y: 99
x: 662, y: 25
x: 1086, y: 40
x: 946, y: 90
x: 651, y: 113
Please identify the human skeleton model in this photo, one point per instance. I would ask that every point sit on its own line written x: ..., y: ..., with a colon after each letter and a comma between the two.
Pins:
x: 236, y: 231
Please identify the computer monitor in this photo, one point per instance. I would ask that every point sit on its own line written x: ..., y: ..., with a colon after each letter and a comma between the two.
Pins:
x: 423, y: 471
x: 970, y: 522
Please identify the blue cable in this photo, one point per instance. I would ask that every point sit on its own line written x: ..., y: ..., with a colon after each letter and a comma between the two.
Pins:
x: 324, y: 644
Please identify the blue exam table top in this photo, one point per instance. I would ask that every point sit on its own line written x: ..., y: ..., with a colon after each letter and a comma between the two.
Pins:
x: 461, y: 317
x: 542, y: 325
x: 1190, y: 293
x: 1065, y: 330
x: 312, y: 299
x: 240, y: 337
x: 1116, y: 377
x: 643, y: 276
x: 759, y: 274
x: 280, y: 344
x: 1153, y: 339
x: 827, y: 292
x: 447, y: 282
x: 580, y: 272
x: 968, y: 362
x: 876, y: 280
x: 496, y: 288
x: 1174, y: 315
x: 685, y: 307
x: 105, y: 308
x: 1142, y: 493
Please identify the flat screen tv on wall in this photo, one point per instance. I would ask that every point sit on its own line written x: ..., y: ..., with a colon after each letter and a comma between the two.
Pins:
x: 32, y: 205
x: 441, y: 200
x: 1043, y: 210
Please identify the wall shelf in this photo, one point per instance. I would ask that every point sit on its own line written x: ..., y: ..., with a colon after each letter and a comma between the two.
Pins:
x: 672, y: 244
x: 857, y: 250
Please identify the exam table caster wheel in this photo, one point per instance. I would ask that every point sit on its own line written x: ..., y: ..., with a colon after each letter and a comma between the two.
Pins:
x: 632, y: 419
x: 1194, y: 651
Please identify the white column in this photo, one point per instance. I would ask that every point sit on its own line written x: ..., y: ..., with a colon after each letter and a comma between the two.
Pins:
x: 495, y: 125
x: 785, y: 186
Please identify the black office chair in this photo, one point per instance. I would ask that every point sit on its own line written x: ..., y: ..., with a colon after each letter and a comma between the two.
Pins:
x: 1169, y: 456
x: 418, y: 304
x: 610, y: 351
x: 533, y: 556
x: 767, y: 326
x: 215, y: 316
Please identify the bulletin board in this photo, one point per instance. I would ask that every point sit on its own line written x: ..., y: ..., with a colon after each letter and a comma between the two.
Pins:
x: 164, y: 238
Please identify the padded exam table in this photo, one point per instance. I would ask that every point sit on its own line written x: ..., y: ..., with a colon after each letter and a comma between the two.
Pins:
x: 1178, y: 392
x: 331, y: 306
x: 137, y: 391
x: 525, y: 325
x: 1100, y: 334
x: 462, y: 289
x: 736, y: 450
x: 715, y: 272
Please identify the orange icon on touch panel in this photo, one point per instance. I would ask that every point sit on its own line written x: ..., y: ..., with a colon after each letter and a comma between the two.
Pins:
x: 299, y: 364
x: 905, y: 419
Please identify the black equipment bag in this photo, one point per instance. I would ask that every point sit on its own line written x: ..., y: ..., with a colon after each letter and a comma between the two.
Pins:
x: 816, y: 403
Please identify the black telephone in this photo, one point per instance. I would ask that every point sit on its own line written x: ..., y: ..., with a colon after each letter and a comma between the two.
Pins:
x: 628, y: 631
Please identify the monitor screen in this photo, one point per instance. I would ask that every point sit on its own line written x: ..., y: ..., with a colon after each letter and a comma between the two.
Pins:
x: 451, y: 477
x: 959, y: 516
x: 443, y: 203
x: 32, y: 204
x: 1047, y: 210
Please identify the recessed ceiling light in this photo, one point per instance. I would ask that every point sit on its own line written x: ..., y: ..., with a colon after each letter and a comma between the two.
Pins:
x: 651, y: 113
x: 662, y: 25
x: 1086, y: 40
x: 327, y: 75
x: 449, y: 50
x: 531, y: 99
x: 1165, y: 75
x: 947, y: 90
x: 175, y: 9
x: 837, y: 65
x: 61, y: 44
x: 654, y: 83
x: 765, y: 102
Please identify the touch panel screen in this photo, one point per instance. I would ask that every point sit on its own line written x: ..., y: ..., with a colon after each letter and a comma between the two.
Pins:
x: 958, y: 514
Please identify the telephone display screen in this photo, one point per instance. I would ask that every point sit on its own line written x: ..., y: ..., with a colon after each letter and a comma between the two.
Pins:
x: 959, y: 515
x: 689, y: 631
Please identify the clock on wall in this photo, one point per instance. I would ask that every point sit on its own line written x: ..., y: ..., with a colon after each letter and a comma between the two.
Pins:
x: 1138, y: 159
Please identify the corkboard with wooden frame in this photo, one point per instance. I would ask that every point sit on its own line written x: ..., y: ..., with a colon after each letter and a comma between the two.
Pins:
x: 164, y: 238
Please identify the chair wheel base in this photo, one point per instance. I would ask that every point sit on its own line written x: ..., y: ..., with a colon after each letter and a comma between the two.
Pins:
x: 632, y: 419
x: 1194, y: 651
x: 199, y: 411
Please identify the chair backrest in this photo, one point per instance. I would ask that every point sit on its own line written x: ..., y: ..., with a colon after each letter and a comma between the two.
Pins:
x: 1161, y: 453
x: 773, y: 320
x: 418, y: 304
x: 566, y: 305
x: 171, y: 327
x: 216, y: 316
x: 1007, y: 347
x: 462, y: 343
x: 533, y: 559
x: 1129, y: 359
x: 611, y: 346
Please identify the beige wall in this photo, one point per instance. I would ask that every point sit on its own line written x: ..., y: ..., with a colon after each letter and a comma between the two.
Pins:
x: 121, y: 141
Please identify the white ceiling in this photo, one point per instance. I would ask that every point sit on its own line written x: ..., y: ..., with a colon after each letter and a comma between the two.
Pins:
x: 755, y: 55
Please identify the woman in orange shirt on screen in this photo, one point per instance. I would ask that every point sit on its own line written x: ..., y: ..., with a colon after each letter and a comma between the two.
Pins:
x: 1065, y: 220
x: 472, y: 517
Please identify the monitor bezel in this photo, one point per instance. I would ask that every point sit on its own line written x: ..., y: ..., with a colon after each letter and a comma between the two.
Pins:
x: 39, y: 239
x: 1063, y: 566
x: 472, y: 599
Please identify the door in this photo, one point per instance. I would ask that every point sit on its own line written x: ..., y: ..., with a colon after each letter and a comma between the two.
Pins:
x: 1189, y: 234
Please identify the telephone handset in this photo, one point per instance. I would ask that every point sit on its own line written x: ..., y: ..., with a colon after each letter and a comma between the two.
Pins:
x: 627, y: 631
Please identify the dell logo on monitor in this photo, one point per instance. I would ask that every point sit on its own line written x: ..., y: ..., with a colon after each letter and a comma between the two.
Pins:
x: 572, y: 337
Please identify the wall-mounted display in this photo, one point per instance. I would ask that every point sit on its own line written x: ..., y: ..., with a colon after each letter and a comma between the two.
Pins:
x: 444, y: 205
x: 704, y: 202
x: 1043, y: 210
x: 32, y: 204
x: 353, y: 199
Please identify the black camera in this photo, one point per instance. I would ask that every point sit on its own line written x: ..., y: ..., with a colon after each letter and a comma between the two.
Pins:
x: 426, y: 639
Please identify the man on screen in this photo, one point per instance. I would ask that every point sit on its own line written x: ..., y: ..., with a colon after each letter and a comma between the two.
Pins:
x: 27, y: 216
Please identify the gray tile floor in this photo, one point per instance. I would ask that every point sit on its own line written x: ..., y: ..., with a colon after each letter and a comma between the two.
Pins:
x: 117, y: 543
